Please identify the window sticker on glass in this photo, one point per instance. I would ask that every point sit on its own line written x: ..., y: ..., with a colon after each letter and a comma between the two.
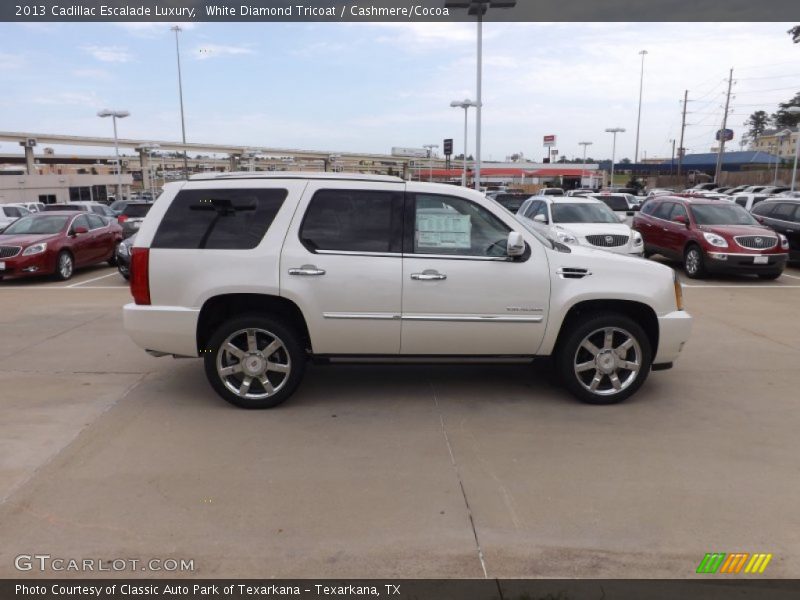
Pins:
x: 443, y: 231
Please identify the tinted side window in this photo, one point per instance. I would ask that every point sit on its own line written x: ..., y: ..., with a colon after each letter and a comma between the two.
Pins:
x: 663, y: 210
x: 459, y: 228
x: 763, y: 210
x: 95, y: 222
x: 353, y: 221
x: 81, y: 221
x: 227, y: 219
x: 13, y: 211
x: 136, y: 210
x: 741, y: 201
x: 678, y: 210
x: 648, y: 207
x: 783, y: 211
x: 614, y: 202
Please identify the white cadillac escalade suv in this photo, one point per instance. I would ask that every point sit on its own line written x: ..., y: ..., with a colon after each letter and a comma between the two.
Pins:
x: 259, y: 272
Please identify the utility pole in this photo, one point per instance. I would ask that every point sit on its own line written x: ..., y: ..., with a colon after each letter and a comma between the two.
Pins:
x: 639, y: 117
x: 724, y: 124
x: 681, y: 149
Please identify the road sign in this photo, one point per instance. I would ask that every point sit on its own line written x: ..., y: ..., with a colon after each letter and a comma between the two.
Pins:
x: 448, y: 147
x: 554, y: 152
x: 549, y: 140
x: 726, y: 133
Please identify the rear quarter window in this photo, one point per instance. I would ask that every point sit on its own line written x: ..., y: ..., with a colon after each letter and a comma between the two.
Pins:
x: 219, y: 219
x: 137, y: 210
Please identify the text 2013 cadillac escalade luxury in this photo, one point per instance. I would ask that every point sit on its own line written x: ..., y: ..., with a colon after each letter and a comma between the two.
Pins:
x: 258, y: 273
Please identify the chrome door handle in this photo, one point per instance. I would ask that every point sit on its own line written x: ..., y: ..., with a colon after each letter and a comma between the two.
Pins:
x: 306, y: 270
x: 665, y: 229
x: 428, y: 275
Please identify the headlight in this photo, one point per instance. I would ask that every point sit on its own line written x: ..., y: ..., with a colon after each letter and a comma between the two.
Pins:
x: 566, y: 238
x: 715, y: 240
x: 637, y: 238
x: 784, y: 242
x: 678, y: 291
x: 123, y: 249
x: 35, y: 249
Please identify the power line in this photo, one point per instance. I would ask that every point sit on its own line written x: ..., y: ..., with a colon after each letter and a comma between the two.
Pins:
x: 769, y: 77
x: 795, y: 88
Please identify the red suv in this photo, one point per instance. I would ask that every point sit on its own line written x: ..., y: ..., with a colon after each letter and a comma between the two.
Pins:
x: 710, y: 236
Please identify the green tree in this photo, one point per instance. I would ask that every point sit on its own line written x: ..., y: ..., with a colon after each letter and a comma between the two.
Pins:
x: 783, y: 118
x: 795, y: 33
x: 756, y: 124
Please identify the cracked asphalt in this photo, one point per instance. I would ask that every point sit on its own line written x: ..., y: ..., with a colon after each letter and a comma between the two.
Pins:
x: 397, y: 471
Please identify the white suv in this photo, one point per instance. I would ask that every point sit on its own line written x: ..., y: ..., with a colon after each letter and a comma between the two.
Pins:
x: 259, y: 272
x: 584, y: 221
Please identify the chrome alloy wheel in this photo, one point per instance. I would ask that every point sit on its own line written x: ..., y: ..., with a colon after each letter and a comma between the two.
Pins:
x: 607, y: 361
x: 253, y: 363
x: 692, y: 261
x: 65, y: 266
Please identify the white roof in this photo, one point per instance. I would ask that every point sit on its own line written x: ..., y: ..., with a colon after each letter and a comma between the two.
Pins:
x: 296, y: 175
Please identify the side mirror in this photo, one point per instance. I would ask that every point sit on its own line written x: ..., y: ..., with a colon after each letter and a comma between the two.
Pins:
x: 540, y: 219
x: 759, y: 219
x: 80, y: 230
x: 516, y: 244
x: 629, y: 213
x: 623, y: 218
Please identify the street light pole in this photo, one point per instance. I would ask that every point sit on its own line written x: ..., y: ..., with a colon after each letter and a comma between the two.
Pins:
x: 430, y: 148
x: 639, y: 117
x: 779, y: 137
x: 465, y: 104
x: 583, y: 169
x: 177, y: 30
x: 115, y: 114
x: 795, y: 110
x: 615, y: 131
x: 478, y: 8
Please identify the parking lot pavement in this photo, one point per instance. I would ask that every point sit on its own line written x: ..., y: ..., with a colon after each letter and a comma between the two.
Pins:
x: 393, y: 471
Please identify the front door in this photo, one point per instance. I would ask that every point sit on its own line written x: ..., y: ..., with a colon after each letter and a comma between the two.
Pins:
x: 342, y: 265
x: 461, y: 294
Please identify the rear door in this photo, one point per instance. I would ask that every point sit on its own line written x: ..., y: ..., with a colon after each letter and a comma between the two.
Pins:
x: 674, y: 234
x: 784, y: 217
x: 342, y: 265
x: 103, y: 238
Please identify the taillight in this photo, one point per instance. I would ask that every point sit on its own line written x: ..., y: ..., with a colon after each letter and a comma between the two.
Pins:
x: 122, y: 218
x: 140, y: 275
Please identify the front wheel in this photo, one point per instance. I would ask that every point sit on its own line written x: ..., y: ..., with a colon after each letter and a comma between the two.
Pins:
x: 65, y: 265
x: 604, y: 358
x: 694, y: 263
x: 254, y: 361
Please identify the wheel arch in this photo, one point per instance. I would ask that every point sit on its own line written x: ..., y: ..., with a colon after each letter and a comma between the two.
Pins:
x: 641, y: 313
x: 218, y: 309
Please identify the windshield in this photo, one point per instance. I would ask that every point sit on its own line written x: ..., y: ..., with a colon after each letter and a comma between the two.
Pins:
x: 583, y: 212
x: 37, y: 225
x: 721, y: 214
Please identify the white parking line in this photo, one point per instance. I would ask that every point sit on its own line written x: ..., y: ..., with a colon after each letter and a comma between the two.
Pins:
x: 744, y: 286
x: 91, y: 280
x: 68, y: 287
x: 792, y: 276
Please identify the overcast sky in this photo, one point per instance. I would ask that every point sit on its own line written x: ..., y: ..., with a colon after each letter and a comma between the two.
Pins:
x: 368, y: 87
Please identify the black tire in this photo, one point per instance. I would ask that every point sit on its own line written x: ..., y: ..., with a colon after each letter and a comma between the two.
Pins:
x: 268, y: 329
x: 64, y: 274
x: 125, y: 271
x: 770, y: 276
x: 570, y: 354
x: 112, y: 262
x: 695, y: 268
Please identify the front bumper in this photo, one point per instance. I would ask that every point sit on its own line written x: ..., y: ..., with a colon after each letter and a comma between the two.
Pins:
x: 28, y: 266
x: 167, y: 329
x: 673, y: 332
x: 734, y: 262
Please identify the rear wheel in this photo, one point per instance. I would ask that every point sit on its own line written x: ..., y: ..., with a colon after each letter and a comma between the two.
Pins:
x: 254, y: 361
x: 65, y: 265
x: 694, y: 263
x: 604, y: 358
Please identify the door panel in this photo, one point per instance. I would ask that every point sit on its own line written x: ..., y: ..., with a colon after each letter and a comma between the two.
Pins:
x: 345, y: 272
x: 468, y: 304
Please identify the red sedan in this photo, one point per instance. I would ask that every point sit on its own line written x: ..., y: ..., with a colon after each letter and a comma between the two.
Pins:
x: 56, y: 243
x: 711, y: 236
